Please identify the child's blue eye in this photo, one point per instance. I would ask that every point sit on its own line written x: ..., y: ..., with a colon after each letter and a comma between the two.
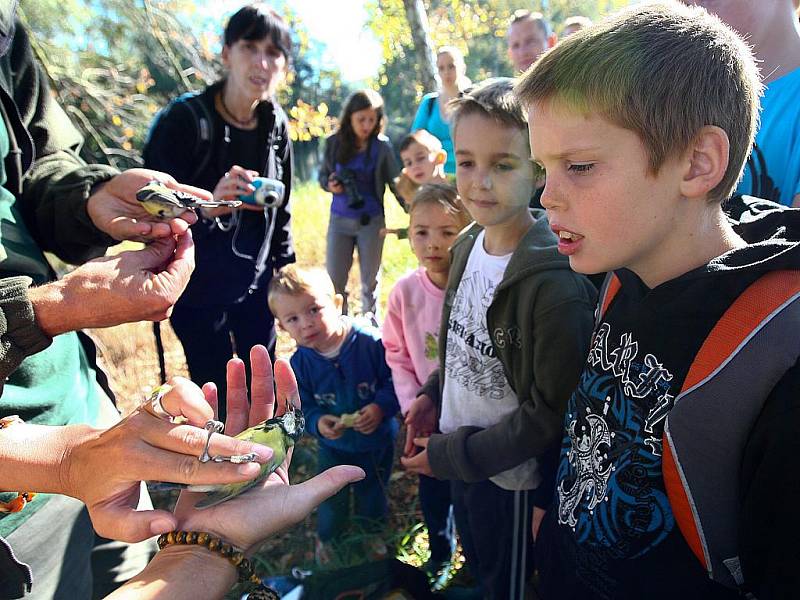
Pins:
x: 504, y: 167
x: 581, y: 168
x: 465, y: 164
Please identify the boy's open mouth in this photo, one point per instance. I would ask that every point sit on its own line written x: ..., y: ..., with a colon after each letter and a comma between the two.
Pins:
x: 568, y: 241
x: 568, y: 236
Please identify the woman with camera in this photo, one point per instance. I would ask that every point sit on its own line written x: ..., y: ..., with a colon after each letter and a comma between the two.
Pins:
x: 359, y: 163
x: 227, y: 138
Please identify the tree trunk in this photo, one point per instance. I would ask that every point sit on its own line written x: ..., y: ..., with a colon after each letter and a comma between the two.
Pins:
x: 423, y: 46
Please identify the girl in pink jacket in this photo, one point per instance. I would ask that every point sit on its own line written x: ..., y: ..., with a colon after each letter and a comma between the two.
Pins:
x: 410, y: 337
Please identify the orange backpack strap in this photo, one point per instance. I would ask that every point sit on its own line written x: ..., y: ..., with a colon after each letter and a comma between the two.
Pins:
x: 608, y: 292
x: 755, y: 342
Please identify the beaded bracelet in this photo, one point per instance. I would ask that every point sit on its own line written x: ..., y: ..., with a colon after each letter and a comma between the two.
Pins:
x: 236, y: 557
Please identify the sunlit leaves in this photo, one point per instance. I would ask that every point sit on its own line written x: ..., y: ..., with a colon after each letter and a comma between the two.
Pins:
x: 308, y: 122
x: 477, y: 28
x: 115, y: 63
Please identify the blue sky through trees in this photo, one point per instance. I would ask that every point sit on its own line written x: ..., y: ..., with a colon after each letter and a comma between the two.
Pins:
x: 339, y: 25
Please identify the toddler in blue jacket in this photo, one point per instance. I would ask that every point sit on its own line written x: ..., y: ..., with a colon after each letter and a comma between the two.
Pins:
x: 346, y: 393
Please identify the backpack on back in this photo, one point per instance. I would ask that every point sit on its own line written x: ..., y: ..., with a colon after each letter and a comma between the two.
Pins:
x: 744, y: 356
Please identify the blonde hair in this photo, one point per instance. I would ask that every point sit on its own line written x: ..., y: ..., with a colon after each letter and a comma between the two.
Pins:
x: 455, y: 53
x: 292, y: 280
x: 462, y: 81
x: 445, y: 196
x: 663, y: 71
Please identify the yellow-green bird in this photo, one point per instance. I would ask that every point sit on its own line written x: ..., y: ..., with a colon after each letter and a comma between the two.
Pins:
x: 280, y: 434
x: 166, y: 203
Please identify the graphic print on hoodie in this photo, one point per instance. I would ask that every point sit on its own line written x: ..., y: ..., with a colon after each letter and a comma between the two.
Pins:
x: 613, y: 516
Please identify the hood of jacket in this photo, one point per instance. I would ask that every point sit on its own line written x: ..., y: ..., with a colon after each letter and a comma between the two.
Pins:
x: 537, y: 251
x: 772, y: 233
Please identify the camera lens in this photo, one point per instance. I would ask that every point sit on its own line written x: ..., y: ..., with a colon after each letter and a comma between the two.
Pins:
x: 271, y: 199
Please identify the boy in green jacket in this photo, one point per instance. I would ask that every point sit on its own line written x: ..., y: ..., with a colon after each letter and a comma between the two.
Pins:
x: 515, y: 330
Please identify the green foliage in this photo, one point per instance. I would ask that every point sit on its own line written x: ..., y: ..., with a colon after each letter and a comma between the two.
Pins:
x: 54, y: 17
x: 478, y: 29
x: 135, y: 57
x: 115, y: 63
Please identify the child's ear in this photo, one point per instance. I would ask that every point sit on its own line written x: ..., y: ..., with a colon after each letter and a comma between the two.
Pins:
x: 706, y: 162
x: 441, y: 158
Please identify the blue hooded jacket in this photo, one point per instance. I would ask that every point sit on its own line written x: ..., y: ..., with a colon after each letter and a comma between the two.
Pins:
x: 358, y: 376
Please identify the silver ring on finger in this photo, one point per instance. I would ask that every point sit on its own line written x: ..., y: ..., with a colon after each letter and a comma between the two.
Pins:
x: 211, y: 426
x: 236, y: 459
x: 155, y: 406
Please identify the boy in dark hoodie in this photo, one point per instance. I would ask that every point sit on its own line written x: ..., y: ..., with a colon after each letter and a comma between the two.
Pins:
x: 678, y: 474
x: 516, y: 324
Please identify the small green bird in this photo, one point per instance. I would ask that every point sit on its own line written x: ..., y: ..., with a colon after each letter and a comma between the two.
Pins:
x: 279, y: 433
x: 166, y: 203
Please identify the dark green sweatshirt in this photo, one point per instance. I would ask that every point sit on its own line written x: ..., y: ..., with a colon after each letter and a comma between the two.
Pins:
x: 540, y: 321
x: 51, y: 184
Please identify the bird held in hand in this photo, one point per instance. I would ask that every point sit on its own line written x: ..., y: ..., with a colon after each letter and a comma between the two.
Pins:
x: 279, y: 433
x: 166, y: 203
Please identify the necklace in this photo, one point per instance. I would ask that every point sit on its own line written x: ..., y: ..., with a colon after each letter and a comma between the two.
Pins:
x: 246, y: 123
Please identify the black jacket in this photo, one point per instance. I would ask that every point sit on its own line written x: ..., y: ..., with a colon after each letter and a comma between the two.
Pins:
x: 51, y: 185
x: 189, y: 141
x: 613, y: 527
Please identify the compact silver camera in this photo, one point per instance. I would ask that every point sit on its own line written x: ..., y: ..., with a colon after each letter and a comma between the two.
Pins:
x: 269, y: 192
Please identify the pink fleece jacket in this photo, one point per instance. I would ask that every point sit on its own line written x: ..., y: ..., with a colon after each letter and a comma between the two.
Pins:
x: 411, y: 333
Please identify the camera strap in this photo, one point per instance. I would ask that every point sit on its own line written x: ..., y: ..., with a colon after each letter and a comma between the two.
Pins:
x: 274, y: 170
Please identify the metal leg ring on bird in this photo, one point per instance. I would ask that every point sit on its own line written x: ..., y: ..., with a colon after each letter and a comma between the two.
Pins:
x: 236, y: 459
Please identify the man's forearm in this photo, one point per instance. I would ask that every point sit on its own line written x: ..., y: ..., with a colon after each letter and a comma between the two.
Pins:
x: 52, y: 310
x: 31, y: 456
